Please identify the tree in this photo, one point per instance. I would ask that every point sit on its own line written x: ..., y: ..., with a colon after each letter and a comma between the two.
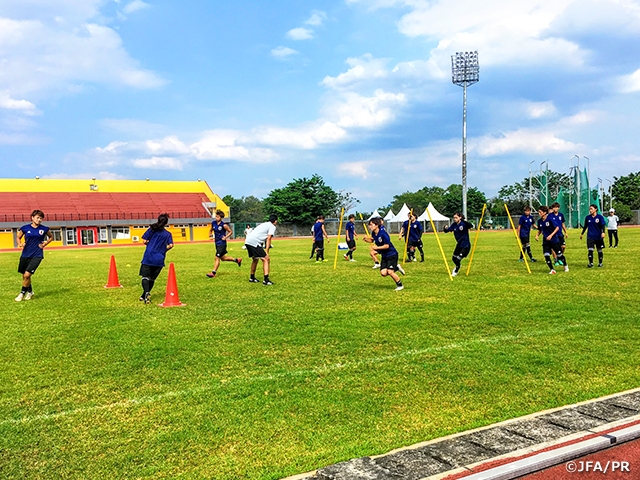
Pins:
x: 346, y: 201
x: 245, y: 209
x: 302, y: 200
x: 626, y: 190
x: 623, y: 211
x: 453, y: 201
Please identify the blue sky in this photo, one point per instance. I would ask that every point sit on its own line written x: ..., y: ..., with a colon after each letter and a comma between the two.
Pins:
x: 251, y: 94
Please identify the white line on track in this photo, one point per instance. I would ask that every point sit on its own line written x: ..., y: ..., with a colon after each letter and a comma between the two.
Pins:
x: 294, y: 373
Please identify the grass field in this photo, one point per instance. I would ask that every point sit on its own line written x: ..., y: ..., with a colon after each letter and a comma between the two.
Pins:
x: 258, y: 382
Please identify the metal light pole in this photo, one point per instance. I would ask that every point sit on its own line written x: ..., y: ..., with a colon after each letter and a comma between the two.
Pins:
x: 610, y: 193
x: 465, y: 71
x: 601, y: 194
x: 530, y: 186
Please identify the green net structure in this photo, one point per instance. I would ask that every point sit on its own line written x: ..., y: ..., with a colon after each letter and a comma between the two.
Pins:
x: 575, y: 200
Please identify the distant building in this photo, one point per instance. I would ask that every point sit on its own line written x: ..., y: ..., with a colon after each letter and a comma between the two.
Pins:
x: 91, y: 212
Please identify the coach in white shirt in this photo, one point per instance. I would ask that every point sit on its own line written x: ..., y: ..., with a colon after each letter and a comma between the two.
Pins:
x: 260, y: 235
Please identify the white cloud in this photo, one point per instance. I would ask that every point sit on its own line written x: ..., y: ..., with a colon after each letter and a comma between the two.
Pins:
x: 364, y: 68
x: 524, y: 141
x: 102, y: 175
x: 225, y: 145
x: 135, y: 6
x: 300, y: 33
x: 630, y: 83
x: 367, y: 112
x: 317, y: 18
x: 305, y: 137
x: 283, y: 52
x: 24, y: 106
x: 170, y: 145
x: 541, y: 109
x: 112, y: 148
x: 355, y: 169
x: 158, y: 163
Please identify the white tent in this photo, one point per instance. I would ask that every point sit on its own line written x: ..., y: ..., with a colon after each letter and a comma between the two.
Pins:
x: 402, y: 215
x: 389, y: 216
x: 375, y: 214
x: 436, y: 216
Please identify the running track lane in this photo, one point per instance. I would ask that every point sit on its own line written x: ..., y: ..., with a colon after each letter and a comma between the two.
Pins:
x: 626, y: 452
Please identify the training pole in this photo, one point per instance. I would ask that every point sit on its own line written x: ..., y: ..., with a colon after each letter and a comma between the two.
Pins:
x: 475, y: 241
x: 526, y: 262
x: 335, y: 259
x: 366, y: 230
x: 444, y: 258
x: 406, y: 242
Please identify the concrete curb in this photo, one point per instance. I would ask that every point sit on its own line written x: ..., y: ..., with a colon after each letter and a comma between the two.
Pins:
x: 555, y: 457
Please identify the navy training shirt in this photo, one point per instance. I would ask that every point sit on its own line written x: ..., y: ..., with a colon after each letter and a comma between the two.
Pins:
x: 382, y: 238
x: 461, y: 232
x: 351, y: 230
x: 317, y: 231
x: 594, y: 226
x: 557, y: 220
x: 546, y: 228
x: 219, y: 232
x: 526, y: 222
x: 415, y: 233
x: 33, y: 237
x: 156, y: 250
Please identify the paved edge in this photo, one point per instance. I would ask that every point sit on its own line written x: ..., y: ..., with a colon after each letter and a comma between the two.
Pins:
x: 465, y: 471
x: 554, y: 457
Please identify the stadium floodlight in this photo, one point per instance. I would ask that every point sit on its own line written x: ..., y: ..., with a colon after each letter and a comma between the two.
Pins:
x: 610, y: 193
x: 601, y: 193
x: 465, y: 71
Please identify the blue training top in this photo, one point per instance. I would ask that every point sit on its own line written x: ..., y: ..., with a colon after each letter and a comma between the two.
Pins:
x: 317, y: 231
x: 219, y: 232
x: 557, y: 219
x: 351, y: 230
x: 382, y: 238
x: 415, y: 232
x: 526, y: 222
x: 156, y: 250
x: 546, y: 228
x: 33, y: 237
x: 461, y: 232
x: 595, y: 226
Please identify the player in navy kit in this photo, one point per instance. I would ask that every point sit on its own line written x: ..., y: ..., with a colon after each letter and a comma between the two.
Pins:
x: 524, y: 231
x: 32, y: 238
x: 221, y: 232
x: 319, y: 234
x: 158, y: 242
x: 595, y: 224
x: 350, y: 235
x: 557, y: 218
x: 460, y: 228
x: 381, y: 243
x: 415, y: 237
x: 550, y: 241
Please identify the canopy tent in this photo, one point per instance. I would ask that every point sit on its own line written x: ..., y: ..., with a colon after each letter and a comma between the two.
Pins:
x: 375, y: 214
x: 389, y: 216
x: 436, y: 216
x: 402, y: 215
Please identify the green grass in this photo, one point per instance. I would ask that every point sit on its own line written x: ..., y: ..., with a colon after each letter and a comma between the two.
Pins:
x: 249, y: 381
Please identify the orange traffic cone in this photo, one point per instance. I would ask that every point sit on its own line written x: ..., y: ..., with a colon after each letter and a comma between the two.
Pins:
x: 113, y: 281
x: 171, y: 298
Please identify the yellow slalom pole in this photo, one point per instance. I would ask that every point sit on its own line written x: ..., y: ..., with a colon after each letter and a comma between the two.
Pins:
x: 335, y: 259
x: 526, y: 262
x: 444, y: 258
x: 366, y: 230
x: 473, y: 250
x: 406, y: 242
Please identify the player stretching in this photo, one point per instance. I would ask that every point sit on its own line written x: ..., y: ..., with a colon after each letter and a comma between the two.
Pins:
x: 460, y: 228
x: 36, y: 236
x: 260, y: 235
x: 158, y: 242
x: 550, y: 241
x: 595, y: 224
x: 350, y: 235
x: 381, y: 243
x: 221, y: 233
x: 319, y: 234
x: 524, y: 232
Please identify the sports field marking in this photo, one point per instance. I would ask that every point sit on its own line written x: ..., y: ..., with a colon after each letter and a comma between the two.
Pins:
x: 295, y: 373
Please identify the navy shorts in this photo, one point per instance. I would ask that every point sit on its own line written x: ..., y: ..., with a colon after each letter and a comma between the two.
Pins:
x: 599, y: 243
x: 351, y: 244
x: 150, y: 271
x: 29, y: 264
x: 461, y: 252
x: 221, y: 250
x: 255, y: 252
x: 390, y: 263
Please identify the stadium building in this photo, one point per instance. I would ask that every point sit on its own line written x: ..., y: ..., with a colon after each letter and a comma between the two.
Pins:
x: 92, y: 212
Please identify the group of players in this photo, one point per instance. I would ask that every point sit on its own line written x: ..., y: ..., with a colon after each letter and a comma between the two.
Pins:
x: 34, y: 237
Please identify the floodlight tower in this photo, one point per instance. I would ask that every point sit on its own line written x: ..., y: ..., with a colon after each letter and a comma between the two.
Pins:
x: 610, y: 194
x: 465, y: 71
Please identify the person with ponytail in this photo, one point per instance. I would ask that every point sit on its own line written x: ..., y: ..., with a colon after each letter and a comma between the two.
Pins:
x: 158, y: 242
x: 460, y: 228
